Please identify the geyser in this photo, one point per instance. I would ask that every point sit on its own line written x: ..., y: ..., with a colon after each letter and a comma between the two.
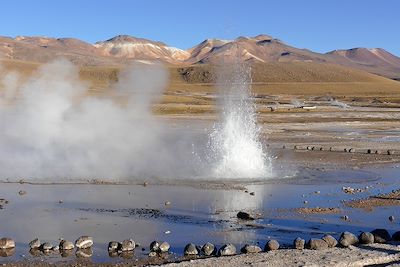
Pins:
x: 51, y: 129
x: 235, y: 146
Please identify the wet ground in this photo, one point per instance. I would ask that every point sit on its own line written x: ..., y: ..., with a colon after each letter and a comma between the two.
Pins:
x: 191, y: 213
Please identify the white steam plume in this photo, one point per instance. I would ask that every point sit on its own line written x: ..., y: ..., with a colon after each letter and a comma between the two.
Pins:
x: 52, y: 132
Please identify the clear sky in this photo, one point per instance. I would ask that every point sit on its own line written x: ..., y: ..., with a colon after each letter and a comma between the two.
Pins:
x: 319, y: 25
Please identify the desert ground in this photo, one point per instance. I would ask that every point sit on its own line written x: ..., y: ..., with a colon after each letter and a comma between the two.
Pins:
x: 333, y: 137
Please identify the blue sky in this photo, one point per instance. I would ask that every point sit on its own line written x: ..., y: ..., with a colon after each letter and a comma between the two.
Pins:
x: 319, y: 25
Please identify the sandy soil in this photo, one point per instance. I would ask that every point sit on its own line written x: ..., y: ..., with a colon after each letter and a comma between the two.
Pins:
x: 381, y: 200
x: 317, y: 210
x: 353, y: 256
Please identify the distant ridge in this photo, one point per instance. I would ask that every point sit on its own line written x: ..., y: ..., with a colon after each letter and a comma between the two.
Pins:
x: 122, y: 49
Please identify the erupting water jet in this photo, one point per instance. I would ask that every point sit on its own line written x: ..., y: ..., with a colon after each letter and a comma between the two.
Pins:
x: 235, y: 140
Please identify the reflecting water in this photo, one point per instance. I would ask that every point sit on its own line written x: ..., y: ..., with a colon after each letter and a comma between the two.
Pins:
x: 195, y: 214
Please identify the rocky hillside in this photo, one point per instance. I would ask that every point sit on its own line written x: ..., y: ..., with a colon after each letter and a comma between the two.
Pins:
x: 122, y: 49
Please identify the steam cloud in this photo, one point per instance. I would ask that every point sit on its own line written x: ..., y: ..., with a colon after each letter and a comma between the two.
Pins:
x: 49, y: 131
x: 52, y: 131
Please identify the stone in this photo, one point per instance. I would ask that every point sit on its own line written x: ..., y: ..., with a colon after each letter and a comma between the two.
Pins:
x: 7, y: 252
x: 252, y: 193
x: 55, y: 248
x: 208, y: 249
x: 299, y: 243
x: 66, y: 245
x: 112, y: 253
x: 167, y: 203
x: 84, y: 252
x: 391, y: 218
x: 330, y: 240
x: 84, y: 242
x: 152, y: 254
x: 251, y: 249
x: 22, y: 192
x: 155, y: 246
x: 7, y: 243
x: 381, y: 235
x: 35, y: 252
x: 190, y: 249
x: 317, y: 244
x: 244, y: 216
x: 344, y: 218
x: 227, y: 250
x: 66, y: 253
x: 348, y: 239
x: 271, y: 245
x: 164, y: 247
x: 113, y: 246
x: 46, y: 252
x: 396, y: 236
x: 46, y: 246
x: 35, y: 243
x: 127, y: 245
x: 366, y: 238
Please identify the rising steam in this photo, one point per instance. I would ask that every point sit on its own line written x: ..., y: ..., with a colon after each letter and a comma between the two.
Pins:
x: 49, y: 131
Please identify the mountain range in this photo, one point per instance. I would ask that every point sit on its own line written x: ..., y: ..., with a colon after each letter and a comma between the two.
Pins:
x: 122, y: 49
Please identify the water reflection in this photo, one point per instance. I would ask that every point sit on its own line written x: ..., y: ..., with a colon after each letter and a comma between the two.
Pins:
x: 84, y: 253
x: 119, y: 212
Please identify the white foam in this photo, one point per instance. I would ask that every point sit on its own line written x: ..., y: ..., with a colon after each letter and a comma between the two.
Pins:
x: 234, y: 143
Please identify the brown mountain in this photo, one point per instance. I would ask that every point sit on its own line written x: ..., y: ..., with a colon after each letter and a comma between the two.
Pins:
x: 124, y: 46
x: 44, y: 49
x: 262, y: 48
x: 375, y: 60
x: 265, y: 49
x: 122, y: 49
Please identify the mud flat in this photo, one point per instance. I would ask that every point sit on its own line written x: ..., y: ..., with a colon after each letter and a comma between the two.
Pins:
x: 381, y: 200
